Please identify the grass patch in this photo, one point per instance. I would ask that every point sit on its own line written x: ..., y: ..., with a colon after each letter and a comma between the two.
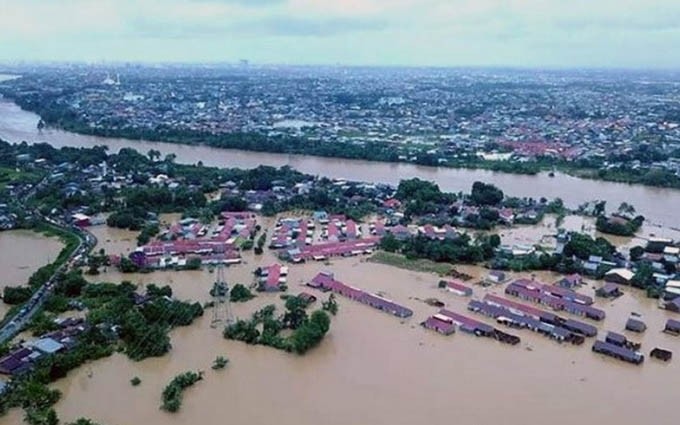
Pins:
x: 12, y: 176
x: 419, y: 265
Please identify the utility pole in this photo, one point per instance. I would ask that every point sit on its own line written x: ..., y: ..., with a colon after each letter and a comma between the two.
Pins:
x: 220, y: 297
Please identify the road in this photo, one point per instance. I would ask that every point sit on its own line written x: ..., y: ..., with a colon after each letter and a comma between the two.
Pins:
x: 87, y: 241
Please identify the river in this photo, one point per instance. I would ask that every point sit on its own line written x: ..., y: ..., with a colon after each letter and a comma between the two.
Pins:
x: 657, y: 204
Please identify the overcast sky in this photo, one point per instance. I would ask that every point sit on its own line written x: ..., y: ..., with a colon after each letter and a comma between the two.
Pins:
x: 533, y: 33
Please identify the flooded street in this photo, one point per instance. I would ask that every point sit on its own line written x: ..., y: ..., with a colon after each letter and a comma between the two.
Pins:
x: 374, y: 368
x: 22, y: 252
x: 657, y: 204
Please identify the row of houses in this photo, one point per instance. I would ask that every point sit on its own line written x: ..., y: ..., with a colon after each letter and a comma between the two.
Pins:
x: 555, y: 291
x: 189, y: 238
x: 326, y: 282
x: 572, y: 325
x: 292, y: 232
x: 325, y: 251
x: 447, y: 321
x: 505, y: 316
x: 540, y: 295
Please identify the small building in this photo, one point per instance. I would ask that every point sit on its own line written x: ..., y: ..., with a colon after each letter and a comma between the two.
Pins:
x: 619, y: 276
x: 618, y: 352
x: 672, y: 327
x: 440, y: 323
x: 609, y: 290
x: 657, y: 245
x: 671, y: 289
x: 272, y: 278
x: 456, y: 286
x: 661, y: 354
x: 673, y: 305
x: 496, y: 276
x: 635, y: 325
x: 306, y: 297
x: 47, y: 345
x: 81, y: 220
x: 621, y: 341
x: 616, y: 339
x: 571, y: 281
x: 18, y: 361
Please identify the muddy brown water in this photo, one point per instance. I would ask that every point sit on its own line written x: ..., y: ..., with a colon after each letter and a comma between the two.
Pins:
x: 22, y: 252
x: 374, y: 368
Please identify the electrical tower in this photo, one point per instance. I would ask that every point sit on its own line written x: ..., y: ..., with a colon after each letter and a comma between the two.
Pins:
x: 220, y: 296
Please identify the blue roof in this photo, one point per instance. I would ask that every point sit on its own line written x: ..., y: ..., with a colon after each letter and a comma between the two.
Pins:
x: 48, y: 345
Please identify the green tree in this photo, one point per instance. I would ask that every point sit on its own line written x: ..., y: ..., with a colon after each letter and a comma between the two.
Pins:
x: 636, y: 252
x: 239, y: 293
x: 331, y: 305
x: 390, y: 243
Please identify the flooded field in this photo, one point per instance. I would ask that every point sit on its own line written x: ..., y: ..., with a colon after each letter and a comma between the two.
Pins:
x: 22, y: 252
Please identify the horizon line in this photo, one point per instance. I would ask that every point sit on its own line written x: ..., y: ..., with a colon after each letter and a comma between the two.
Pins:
x: 239, y: 63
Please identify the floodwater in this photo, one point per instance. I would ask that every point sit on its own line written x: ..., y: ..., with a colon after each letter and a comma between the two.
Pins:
x: 657, y: 204
x: 22, y: 252
x: 374, y: 368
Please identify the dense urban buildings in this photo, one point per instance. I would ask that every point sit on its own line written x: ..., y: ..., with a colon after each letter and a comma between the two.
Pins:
x: 615, y: 125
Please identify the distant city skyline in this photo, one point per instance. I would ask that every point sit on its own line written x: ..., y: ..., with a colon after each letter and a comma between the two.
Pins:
x: 513, y: 33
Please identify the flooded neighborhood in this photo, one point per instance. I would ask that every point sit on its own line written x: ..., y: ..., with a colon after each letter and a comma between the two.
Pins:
x: 373, y: 367
x: 463, y: 295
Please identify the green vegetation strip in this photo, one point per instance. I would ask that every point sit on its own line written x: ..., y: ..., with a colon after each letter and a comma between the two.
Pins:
x: 419, y: 265
x: 172, y: 394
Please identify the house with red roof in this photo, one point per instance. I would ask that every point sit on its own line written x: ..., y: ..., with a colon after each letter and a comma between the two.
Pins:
x: 272, y: 278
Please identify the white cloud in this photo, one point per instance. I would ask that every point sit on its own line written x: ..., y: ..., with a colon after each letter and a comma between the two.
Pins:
x: 441, y: 32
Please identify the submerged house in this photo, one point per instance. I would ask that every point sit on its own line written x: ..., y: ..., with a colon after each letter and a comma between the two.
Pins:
x: 635, y: 325
x: 18, y: 361
x: 456, y: 286
x: 326, y: 282
x: 620, y: 276
x: 673, y: 305
x: 618, y: 352
x: 661, y: 354
x: 496, y: 276
x: 672, y: 327
x: 571, y: 281
x: 609, y: 290
x: 272, y: 278
x: 440, y: 323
